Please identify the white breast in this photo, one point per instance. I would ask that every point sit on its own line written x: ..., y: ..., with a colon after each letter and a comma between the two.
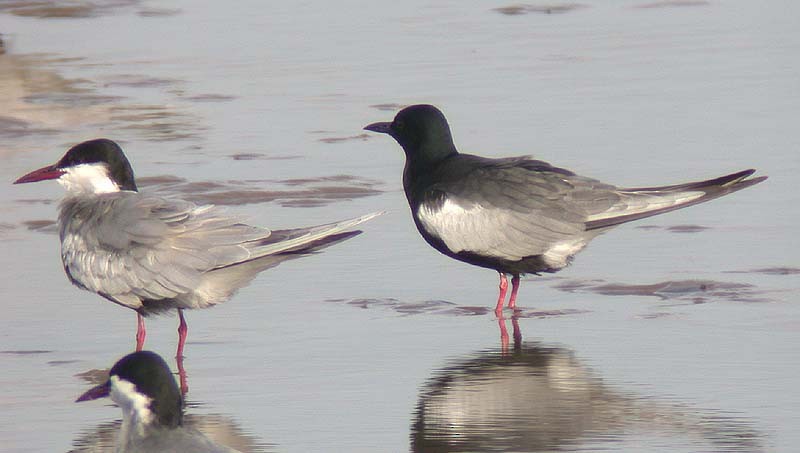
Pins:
x: 451, y: 217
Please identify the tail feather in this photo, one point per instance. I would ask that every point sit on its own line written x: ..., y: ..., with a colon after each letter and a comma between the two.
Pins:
x: 721, y: 181
x: 300, y: 239
x: 224, y: 281
x: 220, y: 284
x: 650, y: 201
x: 321, y: 243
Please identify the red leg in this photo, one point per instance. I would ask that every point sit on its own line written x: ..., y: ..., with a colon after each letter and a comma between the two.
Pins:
x: 502, y: 297
x: 501, y: 322
x: 182, y: 376
x: 141, y: 332
x: 512, y: 302
x: 183, y: 330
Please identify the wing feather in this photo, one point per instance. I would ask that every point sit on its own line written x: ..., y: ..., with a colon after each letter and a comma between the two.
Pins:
x: 512, y: 209
x: 131, y: 247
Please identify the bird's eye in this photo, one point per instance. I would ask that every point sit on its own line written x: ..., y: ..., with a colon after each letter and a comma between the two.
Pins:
x: 399, y: 125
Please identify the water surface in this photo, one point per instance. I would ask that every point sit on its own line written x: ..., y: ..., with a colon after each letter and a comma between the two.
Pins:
x: 677, y: 333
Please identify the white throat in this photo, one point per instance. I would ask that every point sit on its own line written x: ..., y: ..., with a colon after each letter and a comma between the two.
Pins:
x: 136, y: 413
x: 88, y: 178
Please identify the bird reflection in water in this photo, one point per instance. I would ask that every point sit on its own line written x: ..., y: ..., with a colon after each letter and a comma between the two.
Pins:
x: 533, y: 397
x: 219, y: 429
x: 501, y: 322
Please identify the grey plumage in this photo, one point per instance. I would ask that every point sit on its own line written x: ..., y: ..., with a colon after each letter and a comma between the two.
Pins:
x: 153, y: 254
x: 513, y: 209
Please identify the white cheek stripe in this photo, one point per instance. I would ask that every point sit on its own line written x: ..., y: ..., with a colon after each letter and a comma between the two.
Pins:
x: 89, y: 178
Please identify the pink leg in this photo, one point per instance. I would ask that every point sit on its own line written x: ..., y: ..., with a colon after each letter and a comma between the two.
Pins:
x: 141, y: 332
x: 512, y: 302
x: 183, y: 330
x: 502, y: 297
x: 501, y: 322
x: 182, y: 376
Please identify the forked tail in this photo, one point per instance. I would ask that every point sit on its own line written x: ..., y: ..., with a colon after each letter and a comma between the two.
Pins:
x: 638, y: 203
x: 308, y: 239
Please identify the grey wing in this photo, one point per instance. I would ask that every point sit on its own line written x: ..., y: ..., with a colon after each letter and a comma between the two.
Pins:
x: 511, y: 212
x: 130, y: 247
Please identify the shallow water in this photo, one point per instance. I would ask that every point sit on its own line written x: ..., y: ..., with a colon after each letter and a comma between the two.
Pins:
x: 676, y: 333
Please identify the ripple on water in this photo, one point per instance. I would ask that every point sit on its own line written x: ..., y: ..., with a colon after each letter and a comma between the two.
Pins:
x: 78, y: 9
x: 675, y: 228
x: 39, y: 101
x: 777, y: 270
x: 42, y: 226
x: 443, y: 307
x: 673, y: 4
x: 518, y: 10
x: 26, y: 351
x: 350, y: 138
x: 388, y: 107
x: 289, y: 193
x: 692, y: 291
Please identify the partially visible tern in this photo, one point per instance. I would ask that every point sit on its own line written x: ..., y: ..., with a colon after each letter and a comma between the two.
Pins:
x: 154, y: 254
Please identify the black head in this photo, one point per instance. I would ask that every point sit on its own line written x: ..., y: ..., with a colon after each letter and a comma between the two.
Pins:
x: 101, y: 150
x: 422, y: 131
x: 152, y: 377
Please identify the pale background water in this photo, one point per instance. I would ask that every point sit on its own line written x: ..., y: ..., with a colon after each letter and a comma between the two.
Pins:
x: 381, y: 343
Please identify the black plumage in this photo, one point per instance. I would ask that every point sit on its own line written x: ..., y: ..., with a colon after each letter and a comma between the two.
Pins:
x: 519, y: 215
